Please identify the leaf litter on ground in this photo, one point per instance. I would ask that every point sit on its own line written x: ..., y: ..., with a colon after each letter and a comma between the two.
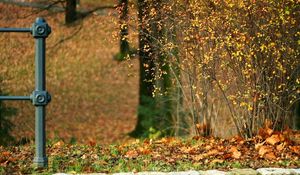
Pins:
x: 267, y: 149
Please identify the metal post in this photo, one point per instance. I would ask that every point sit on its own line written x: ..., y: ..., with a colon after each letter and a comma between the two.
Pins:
x: 40, y: 97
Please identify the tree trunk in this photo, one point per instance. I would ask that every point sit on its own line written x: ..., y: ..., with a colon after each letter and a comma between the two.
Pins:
x: 71, y: 13
x: 155, y: 103
x: 296, y: 116
x: 124, y: 45
x: 147, y: 74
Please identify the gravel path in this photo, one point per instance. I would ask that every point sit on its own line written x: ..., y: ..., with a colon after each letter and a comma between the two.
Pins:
x: 260, y: 171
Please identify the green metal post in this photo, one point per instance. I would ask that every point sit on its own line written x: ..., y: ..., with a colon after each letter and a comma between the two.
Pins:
x: 40, y: 97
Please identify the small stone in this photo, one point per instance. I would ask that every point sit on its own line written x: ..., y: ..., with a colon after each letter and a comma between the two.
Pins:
x: 124, y: 173
x: 275, y: 171
x: 296, y: 171
x: 247, y: 171
x: 215, y: 172
x: 150, y: 173
x: 183, y: 173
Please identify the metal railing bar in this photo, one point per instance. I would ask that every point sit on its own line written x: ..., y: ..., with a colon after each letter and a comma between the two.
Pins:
x: 15, y: 30
x: 15, y: 98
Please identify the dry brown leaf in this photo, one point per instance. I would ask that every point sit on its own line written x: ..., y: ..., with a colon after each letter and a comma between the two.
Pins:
x: 268, y: 123
x: 269, y: 131
x: 208, y: 147
x: 166, y: 140
x: 273, y: 139
x: 171, y: 160
x: 258, y: 145
x: 58, y: 144
x: 6, y: 154
x: 236, y: 154
x: 265, y: 132
x: 270, y: 156
x: 295, y: 138
x: 189, y: 150
x: 264, y: 149
x: 92, y: 143
x: 185, y: 149
x: 131, y: 154
x: 233, y: 149
x: 198, y: 157
x: 280, y: 147
x: 144, y: 151
x: 227, y: 156
x: 217, y: 161
x: 84, y: 156
x: 212, y: 152
x: 295, y: 149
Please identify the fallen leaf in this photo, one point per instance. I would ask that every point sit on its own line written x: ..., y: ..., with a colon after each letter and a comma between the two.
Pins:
x: 95, y: 156
x: 212, y: 152
x: 235, y: 153
x: 270, y: 156
x: 295, y: 138
x: 92, y: 143
x: 295, y: 149
x: 269, y: 131
x: 263, y: 150
x: 273, y: 139
x: 6, y: 154
x: 188, y: 150
x: 258, y: 145
x: 131, y: 154
x: 268, y: 123
x: 144, y: 151
x: 198, y: 157
x: 280, y: 147
x: 58, y: 144
x: 166, y: 140
x: 227, y: 156
x: 217, y: 161
x: 265, y: 132
x: 83, y: 156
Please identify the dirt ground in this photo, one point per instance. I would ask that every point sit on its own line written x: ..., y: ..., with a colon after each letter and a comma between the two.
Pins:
x: 94, y: 97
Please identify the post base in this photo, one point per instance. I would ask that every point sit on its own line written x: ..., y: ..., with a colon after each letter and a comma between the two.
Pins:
x: 40, y: 162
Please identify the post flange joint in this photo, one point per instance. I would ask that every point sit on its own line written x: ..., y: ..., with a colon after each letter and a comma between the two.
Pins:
x: 40, y: 29
x: 40, y: 98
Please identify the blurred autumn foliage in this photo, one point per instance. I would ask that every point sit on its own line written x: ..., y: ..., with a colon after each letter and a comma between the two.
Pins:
x: 207, y: 67
x: 233, y: 62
